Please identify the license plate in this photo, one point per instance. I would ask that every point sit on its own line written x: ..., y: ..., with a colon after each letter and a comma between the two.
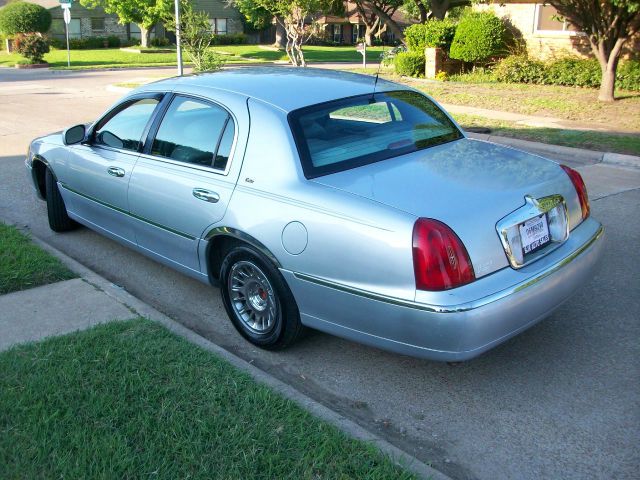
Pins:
x: 534, y: 234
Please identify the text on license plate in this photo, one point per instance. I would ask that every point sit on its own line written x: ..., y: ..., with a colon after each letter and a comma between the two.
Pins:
x: 534, y: 233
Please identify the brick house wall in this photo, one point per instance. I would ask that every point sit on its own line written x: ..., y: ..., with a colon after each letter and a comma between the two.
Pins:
x: 544, y: 37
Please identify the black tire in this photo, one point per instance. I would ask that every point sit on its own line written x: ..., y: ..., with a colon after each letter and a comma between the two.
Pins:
x: 59, y: 221
x: 286, y: 327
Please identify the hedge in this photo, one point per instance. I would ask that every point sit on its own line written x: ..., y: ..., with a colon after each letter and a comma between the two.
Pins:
x: 410, y: 64
x: 573, y: 72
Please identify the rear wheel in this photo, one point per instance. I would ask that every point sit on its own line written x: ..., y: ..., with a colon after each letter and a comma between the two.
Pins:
x: 59, y: 221
x: 258, y: 300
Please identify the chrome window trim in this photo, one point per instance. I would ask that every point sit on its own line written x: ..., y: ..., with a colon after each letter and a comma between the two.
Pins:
x: 232, y: 151
x: 462, y: 307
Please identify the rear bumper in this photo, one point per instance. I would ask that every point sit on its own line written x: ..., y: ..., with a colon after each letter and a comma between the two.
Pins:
x: 502, y: 305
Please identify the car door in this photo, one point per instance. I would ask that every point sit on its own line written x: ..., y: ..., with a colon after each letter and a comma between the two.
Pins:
x: 96, y: 178
x: 181, y: 183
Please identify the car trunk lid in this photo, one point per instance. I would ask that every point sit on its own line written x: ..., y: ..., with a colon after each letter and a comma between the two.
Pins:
x: 469, y: 185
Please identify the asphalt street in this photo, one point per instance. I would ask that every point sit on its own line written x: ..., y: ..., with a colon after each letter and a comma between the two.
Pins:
x: 561, y: 400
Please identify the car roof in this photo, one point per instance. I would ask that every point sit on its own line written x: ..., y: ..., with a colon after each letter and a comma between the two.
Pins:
x: 286, y: 88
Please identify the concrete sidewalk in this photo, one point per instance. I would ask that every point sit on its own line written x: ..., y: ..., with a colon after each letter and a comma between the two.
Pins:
x: 73, y: 305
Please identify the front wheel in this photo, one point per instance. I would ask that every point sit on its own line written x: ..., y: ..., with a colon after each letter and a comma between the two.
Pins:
x: 59, y: 221
x: 258, y: 300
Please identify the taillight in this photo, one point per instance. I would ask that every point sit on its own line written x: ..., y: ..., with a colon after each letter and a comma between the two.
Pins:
x: 440, y: 260
x: 581, y: 189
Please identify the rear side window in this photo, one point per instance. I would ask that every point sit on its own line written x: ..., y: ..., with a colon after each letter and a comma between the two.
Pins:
x: 344, y: 134
x: 196, y: 132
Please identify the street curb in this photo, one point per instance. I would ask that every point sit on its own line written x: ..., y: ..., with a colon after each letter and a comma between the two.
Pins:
x: 350, y: 428
x: 559, y: 152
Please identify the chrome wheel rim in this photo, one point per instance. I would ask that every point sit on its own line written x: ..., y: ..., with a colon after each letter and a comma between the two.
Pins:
x: 252, y: 297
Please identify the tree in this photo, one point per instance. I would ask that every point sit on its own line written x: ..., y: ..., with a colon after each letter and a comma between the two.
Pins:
x: 22, y: 17
x: 144, y: 13
x: 298, y: 18
x: 196, y: 37
x: 372, y: 22
x: 384, y: 10
x: 427, y: 9
x: 257, y: 17
x: 608, y: 25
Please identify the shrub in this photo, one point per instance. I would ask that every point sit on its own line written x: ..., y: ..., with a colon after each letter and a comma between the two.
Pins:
x: 208, y: 61
x: 22, y: 17
x: 410, y: 64
x: 113, y: 41
x: 388, y: 57
x: 575, y: 72
x: 434, y: 33
x: 628, y: 75
x: 519, y: 69
x: 230, y: 39
x: 32, y: 46
x: 479, y: 37
x: 160, y: 42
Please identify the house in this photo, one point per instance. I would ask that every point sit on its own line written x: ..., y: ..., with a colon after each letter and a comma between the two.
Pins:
x: 348, y: 29
x: 545, y: 34
x: 86, y: 23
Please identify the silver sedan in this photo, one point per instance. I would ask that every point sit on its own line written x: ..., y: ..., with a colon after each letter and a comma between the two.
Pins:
x: 327, y: 200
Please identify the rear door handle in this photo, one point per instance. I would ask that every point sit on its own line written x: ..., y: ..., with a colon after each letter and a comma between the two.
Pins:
x: 115, y: 171
x: 206, y: 195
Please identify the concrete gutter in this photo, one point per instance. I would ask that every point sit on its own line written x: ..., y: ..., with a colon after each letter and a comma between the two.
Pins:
x: 140, y: 308
x: 558, y: 152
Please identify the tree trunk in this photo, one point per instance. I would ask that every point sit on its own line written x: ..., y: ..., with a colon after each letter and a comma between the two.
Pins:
x: 422, y: 9
x: 281, y: 33
x: 368, y: 37
x: 145, y: 35
x: 608, y: 56
x: 439, y: 8
x: 388, y: 21
x: 607, y: 86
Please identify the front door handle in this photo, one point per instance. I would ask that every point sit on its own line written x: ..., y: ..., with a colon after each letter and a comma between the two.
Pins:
x: 206, y: 195
x: 115, y: 171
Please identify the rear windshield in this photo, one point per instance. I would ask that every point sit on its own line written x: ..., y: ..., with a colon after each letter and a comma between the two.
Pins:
x: 336, y: 136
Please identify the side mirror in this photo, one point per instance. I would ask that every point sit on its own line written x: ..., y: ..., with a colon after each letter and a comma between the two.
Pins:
x: 74, y: 134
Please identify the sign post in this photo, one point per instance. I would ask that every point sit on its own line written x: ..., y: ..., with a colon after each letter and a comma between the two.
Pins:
x: 178, y: 47
x: 362, y: 48
x: 66, y: 9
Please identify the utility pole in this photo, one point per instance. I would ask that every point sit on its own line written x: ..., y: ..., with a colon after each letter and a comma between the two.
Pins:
x: 178, y: 46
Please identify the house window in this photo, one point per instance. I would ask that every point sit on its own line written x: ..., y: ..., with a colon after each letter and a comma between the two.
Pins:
x: 357, y: 31
x: 57, y: 28
x: 548, y: 20
x: 219, y: 26
x: 134, y: 32
x: 337, y: 33
x: 97, y: 24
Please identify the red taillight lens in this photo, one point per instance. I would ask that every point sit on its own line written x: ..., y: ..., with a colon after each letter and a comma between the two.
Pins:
x: 440, y: 261
x: 581, y: 189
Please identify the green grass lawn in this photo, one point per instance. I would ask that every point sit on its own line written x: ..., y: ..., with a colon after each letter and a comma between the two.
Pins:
x: 116, y: 58
x: 312, y: 53
x: 24, y: 265
x: 131, y: 400
x: 591, y: 140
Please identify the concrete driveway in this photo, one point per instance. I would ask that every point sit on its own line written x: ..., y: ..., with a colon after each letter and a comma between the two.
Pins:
x: 561, y: 400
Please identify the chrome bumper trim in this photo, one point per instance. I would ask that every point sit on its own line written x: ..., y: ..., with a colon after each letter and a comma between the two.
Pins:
x: 462, y: 307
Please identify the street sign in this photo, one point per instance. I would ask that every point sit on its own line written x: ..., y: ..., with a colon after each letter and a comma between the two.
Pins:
x: 362, y: 48
x: 66, y: 9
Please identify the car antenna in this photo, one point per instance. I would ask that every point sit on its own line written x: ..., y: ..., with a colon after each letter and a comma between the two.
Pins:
x: 375, y: 83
